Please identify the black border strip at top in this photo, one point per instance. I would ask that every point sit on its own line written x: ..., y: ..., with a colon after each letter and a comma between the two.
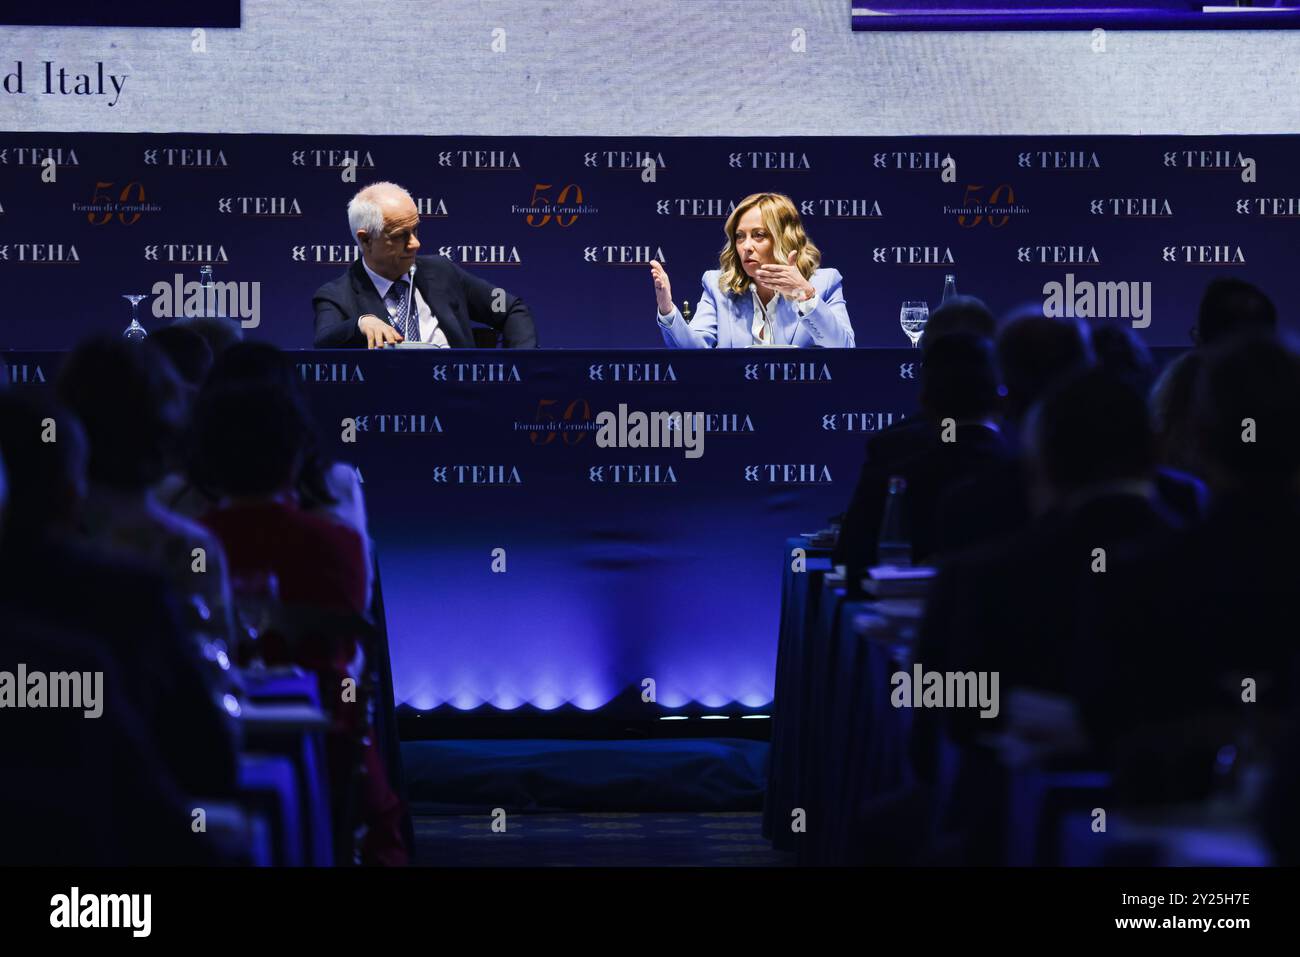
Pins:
x: 122, y: 13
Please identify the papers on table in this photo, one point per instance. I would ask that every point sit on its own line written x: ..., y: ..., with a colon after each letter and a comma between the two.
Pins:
x: 898, y: 581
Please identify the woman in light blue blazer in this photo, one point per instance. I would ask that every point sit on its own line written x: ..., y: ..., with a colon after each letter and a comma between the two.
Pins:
x: 768, y: 290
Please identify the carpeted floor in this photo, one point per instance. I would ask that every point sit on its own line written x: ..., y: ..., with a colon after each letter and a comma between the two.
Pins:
x: 553, y: 776
x: 695, y: 839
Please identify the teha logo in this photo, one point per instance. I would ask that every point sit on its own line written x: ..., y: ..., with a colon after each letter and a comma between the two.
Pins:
x: 716, y: 208
x: 1205, y: 159
x: 186, y: 157
x: 332, y: 158
x: 476, y: 372
x: 789, y: 474
x: 37, y: 155
x: 726, y: 422
x: 909, y: 161
x: 632, y: 474
x: 841, y: 208
x: 1270, y: 207
x: 1204, y: 255
x: 787, y: 372
x: 53, y: 253
x: 1128, y: 207
x: 261, y: 207
x: 623, y: 255
x: 1059, y: 255
x: 482, y: 255
x: 477, y: 475
x: 913, y: 255
x: 859, y: 421
x: 479, y: 159
x: 1059, y: 159
x: 330, y: 372
x: 410, y: 423
x: 631, y: 372
x: 775, y: 162
x: 623, y: 159
x: 330, y: 253
x: 189, y: 253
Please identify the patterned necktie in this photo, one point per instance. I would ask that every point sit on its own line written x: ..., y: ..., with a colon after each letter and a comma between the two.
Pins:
x: 408, y: 326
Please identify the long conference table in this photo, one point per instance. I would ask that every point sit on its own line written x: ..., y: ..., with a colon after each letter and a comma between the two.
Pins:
x: 526, y: 567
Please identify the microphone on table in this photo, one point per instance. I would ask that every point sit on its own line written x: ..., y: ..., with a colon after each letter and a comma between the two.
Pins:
x: 410, y: 292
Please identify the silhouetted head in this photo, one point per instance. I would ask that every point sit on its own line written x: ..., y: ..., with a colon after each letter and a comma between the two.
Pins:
x: 1230, y: 307
x: 958, y: 314
x: 187, y: 351
x: 44, y: 450
x: 250, y: 363
x: 1090, y: 430
x: 1121, y: 352
x: 130, y: 402
x: 1246, y: 410
x: 1034, y: 353
x: 219, y: 333
x: 959, y: 378
x: 250, y: 439
x: 256, y: 365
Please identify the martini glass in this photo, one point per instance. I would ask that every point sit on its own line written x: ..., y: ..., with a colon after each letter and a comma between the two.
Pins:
x: 134, y: 332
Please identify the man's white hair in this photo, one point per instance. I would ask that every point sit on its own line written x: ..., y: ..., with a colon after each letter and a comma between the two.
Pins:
x: 364, y: 212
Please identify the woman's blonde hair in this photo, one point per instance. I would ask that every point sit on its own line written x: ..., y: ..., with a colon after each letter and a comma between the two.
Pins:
x: 781, y: 219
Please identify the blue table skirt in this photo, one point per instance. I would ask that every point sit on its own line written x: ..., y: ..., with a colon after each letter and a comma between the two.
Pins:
x: 837, y: 743
x: 800, y: 596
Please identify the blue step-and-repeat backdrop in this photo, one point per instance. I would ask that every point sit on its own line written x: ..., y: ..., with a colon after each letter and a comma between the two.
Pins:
x: 570, y: 223
x: 620, y: 565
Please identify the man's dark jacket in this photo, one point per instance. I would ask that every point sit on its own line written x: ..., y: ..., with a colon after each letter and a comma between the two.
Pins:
x: 457, y: 299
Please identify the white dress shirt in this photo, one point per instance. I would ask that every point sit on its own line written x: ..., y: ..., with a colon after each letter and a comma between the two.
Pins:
x: 765, y: 316
x: 430, y: 330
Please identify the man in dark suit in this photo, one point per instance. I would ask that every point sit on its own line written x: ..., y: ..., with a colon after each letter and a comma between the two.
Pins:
x: 372, y: 304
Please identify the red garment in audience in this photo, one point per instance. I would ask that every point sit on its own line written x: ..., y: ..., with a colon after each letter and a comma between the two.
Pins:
x: 319, y: 562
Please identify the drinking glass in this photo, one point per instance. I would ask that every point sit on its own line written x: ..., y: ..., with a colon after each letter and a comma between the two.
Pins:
x: 255, y: 595
x: 913, y: 317
x: 135, y: 332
